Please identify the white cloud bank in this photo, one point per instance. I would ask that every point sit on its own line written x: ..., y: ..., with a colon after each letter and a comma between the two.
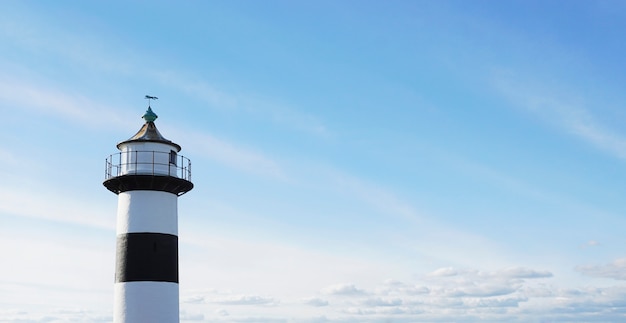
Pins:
x: 516, y: 294
x: 614, y: 270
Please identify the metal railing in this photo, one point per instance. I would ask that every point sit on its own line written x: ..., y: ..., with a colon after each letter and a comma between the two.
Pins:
x: 143, y: 162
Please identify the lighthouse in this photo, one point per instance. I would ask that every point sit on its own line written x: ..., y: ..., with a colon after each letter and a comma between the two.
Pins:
x: 148, y: 175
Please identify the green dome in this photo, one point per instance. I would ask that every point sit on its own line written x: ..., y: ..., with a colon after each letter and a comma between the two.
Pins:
x: 150, y: 116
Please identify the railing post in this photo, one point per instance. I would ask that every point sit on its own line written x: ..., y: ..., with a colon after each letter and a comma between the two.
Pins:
x: 181, y: 163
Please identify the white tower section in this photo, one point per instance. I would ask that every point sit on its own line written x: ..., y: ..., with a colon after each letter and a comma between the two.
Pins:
x: 148, y: 175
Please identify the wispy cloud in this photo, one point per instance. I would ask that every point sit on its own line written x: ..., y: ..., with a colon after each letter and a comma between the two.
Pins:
x: 430, y: 237
x: 86, y: 47
x: 80, y: 110
x: 232, y: 155
x: 46, y: 100
x: 506, y: 273
x: 382, y: 199
x: 568, y: 111
x: 7, y: 158
x: 77, y: 47
x: 54, y: 206
x: 590, y: 244
x: 268, y: 109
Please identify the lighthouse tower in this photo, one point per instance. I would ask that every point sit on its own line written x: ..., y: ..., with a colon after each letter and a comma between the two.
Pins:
x: 148, y: 176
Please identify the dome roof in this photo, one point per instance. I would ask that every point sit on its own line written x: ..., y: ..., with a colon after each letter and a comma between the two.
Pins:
x: 149, y: 132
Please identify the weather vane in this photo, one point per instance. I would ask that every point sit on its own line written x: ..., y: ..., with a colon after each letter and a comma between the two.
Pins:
x: 149, y: 97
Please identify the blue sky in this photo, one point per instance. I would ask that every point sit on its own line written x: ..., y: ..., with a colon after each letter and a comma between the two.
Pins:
x: 353, y: 161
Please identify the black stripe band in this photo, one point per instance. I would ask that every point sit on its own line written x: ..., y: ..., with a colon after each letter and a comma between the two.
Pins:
x: 147, y: 257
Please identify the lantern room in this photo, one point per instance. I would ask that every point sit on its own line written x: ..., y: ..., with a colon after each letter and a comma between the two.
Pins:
x: 148, y: 161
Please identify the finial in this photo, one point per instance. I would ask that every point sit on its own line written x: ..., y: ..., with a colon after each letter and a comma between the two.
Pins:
x: 150, y: 116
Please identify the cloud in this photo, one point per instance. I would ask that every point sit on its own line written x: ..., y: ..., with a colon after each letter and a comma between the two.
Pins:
x: 540, y: 290
x: 54, y: 315
x: 197, y: 299
x: 315, y: 301
x: 78, y: 109
x: 8, y: 158
x: 382, y: 199
x: 268, y: 109
x: 50, y: 204
x: 450, y: 282
x: 514, y: 294
x: 317, y: 319
x: 478, y: 290
x: 77, y: 48
x: 47, y: 100
x: 442, y: 295
x: 615, y: 270
x: 219, y: 298
x: 343, y: 289
x: 495, y: 302
x: 231, y: 155
x: 444, y: 272
x: 184, y: 316
x: 521, y: 272
x: 590, y: 244
x: 391, y: 287
x: 379, y: 311
x: 378, y: 301
x: 593, y: 243
x: 221, y: 312
x: 444, y: 240
x: 244, y: 300
x: 200, y: 89
x: 566, y: 111
x: 587, y: 304
x: 506, y: 273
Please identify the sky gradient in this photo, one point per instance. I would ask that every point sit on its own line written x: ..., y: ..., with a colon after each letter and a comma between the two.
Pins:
x: 353, y: 161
